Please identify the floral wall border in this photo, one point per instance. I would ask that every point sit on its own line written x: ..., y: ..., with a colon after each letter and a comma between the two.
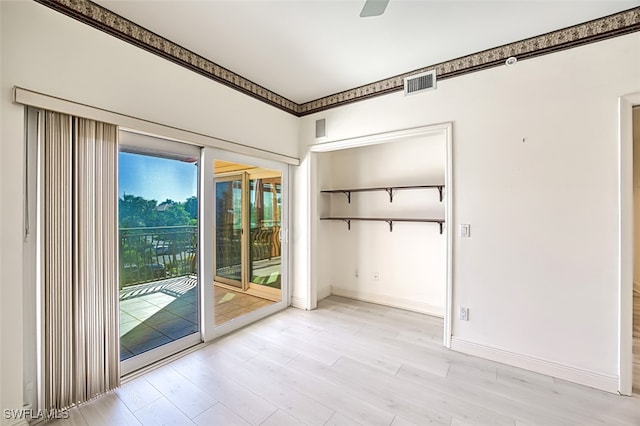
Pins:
x: 615, y: 25
x: 103, y: 19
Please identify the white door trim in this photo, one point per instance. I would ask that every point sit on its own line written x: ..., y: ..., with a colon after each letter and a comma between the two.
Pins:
x: 443, y: 128
x: 625, y: 241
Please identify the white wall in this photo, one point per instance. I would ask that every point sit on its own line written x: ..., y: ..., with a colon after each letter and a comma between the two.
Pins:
x: 410, y: 260
x: 48, y: 52
x: 535, y: 174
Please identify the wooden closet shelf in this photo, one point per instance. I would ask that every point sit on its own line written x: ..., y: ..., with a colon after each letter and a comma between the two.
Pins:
x: 388, y: 189
x: 389, y: 220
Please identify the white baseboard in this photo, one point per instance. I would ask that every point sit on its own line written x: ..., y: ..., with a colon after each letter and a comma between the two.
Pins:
x: 324, y: 292
x: 395, y: 302
x: 572, y: 374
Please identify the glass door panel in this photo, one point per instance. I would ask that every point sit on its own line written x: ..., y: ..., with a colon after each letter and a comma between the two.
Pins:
x: 265, y: 266
x: 248, y: 247
x: 158, y: 234
x: 229, y: 226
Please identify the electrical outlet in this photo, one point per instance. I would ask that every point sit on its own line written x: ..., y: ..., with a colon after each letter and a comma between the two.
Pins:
x: 376, y: 276
x: 463, y: 313
x: 465, y: 230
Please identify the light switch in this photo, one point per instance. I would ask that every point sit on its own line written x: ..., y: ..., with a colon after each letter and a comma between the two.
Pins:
x: 465, y: 230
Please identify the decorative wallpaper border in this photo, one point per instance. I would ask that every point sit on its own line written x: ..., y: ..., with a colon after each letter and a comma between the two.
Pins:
x: 103, y: 19
x: 599, y: 29
x: 589, y: 32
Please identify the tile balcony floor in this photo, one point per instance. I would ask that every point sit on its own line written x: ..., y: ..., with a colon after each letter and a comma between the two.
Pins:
x: 159, y: 312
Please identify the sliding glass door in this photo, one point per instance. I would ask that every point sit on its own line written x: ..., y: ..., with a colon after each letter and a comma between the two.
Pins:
x: 248, y: 239
x: 158, y: 239
x: 178, y: 204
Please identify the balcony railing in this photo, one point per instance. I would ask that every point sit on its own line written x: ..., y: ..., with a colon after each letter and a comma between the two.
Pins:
x: 157, y: 253
x: 265, y: 244
x: 150, y: 254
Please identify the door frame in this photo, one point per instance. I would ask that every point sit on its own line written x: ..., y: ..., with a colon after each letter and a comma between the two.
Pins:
x: 625, y: 241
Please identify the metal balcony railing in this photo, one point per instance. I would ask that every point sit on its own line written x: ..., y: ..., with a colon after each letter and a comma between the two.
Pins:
x: 154, y: 253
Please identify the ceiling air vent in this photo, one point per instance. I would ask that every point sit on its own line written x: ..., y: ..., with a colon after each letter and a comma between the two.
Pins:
x: 420, y: 83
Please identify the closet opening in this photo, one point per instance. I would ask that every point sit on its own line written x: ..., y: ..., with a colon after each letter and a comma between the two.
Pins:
x: 383, y: 223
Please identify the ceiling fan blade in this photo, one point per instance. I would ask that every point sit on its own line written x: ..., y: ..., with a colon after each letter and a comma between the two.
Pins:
x: 373, y: 8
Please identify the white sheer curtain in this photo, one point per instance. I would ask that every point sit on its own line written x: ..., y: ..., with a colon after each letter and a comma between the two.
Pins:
x: 80, y: 268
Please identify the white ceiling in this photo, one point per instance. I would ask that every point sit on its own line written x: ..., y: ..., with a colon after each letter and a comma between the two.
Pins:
x: 307, y: 49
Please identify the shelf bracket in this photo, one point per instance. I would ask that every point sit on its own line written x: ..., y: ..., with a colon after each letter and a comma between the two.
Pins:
x: 348, y: 222
x: 440, y: 188
x: 348, y: 195
x: 441, y: 227
x: 390, y: 222
x: 390, y: 192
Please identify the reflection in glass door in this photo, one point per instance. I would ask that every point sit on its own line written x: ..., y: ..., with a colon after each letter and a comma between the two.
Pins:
x: 248, y: 247
x: 265, y: 268
x: 158, y: 236
x: 229, y: 229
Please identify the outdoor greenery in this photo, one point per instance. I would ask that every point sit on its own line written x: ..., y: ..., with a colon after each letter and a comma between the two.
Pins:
x: 156, y: 240
x: 136, y: 212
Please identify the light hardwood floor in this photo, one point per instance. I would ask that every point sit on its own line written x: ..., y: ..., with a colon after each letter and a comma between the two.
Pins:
x: 232, y: 304
x: 348, y: 363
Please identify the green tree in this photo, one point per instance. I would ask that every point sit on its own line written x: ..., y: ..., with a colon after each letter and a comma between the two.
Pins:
x: 135, y: 211
x: 170, y: 213
x: 191, y: 206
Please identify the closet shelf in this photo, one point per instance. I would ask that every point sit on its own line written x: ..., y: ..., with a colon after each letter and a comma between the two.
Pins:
x: 389, y: 220
x: 388, y: 189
